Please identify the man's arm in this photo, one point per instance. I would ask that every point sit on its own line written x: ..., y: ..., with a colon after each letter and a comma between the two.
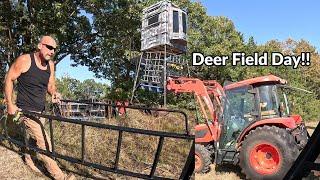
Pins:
x: 52, y: 90
x: 18, y: 67
x: 52, y: 82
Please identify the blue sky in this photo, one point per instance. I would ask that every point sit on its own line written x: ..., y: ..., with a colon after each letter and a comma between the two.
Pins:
x: 81, y: 73
x: 264, y: 20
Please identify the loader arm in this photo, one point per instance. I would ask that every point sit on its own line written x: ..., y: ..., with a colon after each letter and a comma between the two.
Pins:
x: 202, y: 91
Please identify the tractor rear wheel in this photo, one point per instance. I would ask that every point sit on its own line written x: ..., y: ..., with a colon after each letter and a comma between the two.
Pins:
x: 202, y: 159
x: 268, y: 153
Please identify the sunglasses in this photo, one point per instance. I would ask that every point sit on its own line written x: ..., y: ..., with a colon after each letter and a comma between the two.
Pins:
x: 50, y: 47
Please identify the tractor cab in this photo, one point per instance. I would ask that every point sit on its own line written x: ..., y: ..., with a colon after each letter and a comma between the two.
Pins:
x: 247, y: 103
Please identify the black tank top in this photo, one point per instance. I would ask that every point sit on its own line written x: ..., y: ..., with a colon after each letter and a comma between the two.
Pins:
x: 32, y: 87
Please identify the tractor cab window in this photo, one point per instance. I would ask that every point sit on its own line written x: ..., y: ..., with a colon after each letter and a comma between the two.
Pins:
x: 284, y: 102
x: 239, y: 111
x: 268, y: 104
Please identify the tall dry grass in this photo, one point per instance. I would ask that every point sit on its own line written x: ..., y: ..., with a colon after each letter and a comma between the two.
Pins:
x: 137, y: 150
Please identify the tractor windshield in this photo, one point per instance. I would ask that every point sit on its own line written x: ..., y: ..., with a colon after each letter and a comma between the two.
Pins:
x: 239, y: 111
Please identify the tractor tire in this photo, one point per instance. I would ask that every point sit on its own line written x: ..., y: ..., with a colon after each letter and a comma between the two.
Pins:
x: 267, y: 152
x: 202, y: 159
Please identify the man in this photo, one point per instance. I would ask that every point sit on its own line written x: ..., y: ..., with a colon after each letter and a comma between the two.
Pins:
x: 35, y: 75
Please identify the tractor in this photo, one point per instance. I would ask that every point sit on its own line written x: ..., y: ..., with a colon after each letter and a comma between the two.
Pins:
x: 246, y: 123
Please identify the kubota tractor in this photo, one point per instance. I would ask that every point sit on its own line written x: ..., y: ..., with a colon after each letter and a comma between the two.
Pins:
x: 247, y: 123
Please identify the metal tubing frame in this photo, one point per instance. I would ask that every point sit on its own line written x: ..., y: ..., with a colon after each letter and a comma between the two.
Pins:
x: 187, y: 170
x: 139, y: 107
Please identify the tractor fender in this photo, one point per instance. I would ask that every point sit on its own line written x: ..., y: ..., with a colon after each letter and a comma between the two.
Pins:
x: 283, y: 122
x: 297, y: 118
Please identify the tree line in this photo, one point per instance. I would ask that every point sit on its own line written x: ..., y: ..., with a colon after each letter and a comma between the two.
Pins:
x: 88, y: 89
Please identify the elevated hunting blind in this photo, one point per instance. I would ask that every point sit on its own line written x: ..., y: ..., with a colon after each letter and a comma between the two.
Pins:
x: 163, y: 46
x: 164, y: 24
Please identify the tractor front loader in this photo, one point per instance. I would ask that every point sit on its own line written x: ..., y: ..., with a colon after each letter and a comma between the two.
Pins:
x: 247, y: 123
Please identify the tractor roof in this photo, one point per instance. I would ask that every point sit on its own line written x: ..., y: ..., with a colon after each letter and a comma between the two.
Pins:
x: 263, y: 79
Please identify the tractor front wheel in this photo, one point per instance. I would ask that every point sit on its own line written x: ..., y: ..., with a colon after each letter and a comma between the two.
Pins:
x: 267, y: 153
x: 202, y: 159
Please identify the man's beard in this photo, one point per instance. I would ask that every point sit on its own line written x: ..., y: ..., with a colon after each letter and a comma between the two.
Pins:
x: 48, y: 58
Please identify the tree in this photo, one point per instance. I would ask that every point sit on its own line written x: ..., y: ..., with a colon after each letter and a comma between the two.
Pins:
x: 67, y: 86
x: 2, y: 75
x: 217, y: 36
x: 22, y: 22
x: 251, y: 46
x: 88, y: 89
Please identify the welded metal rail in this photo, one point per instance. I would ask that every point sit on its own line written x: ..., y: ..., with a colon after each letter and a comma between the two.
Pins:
x: 187, y: 170
x: 185, y: 117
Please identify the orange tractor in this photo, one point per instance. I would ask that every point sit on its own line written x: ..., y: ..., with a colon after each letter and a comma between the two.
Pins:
x: 247, y: 123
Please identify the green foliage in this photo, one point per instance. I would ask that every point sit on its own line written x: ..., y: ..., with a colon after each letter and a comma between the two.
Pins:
x: 184, y: 100
x: 2, y: 75
x: 118, y: 40
x: 23, y: 22
x: 212, y: 36
x: 88, y: 89
x: 149, y: 98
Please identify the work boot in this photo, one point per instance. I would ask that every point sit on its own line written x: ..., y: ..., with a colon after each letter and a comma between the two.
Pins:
x: 70, y: 177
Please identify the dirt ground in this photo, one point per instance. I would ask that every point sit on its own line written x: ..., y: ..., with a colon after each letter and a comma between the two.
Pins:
x: 12, y: 166
x: 231, y: 172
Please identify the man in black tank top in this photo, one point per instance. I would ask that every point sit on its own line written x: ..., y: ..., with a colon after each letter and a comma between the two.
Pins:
x: 35, y: 75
